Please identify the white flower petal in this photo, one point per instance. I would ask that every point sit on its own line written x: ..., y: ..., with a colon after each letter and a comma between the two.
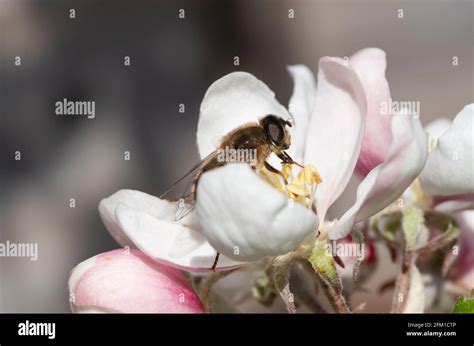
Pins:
x: 438, y: 127
x: 245, y: 218
x: 136, y: 200
x: 336, y: 129
x: 386, y: 182
x: 175, y: 245
x: 301, y: 107
x: 342, y: 227
x: 235, y: 99
x: 450, y: 166
x: 127, y: 214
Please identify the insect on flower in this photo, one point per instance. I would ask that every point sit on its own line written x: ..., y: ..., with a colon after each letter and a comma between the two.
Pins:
x: 269, y: 135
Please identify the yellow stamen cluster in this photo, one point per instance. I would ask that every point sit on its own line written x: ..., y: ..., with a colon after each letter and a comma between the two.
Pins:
x: 300, y: 187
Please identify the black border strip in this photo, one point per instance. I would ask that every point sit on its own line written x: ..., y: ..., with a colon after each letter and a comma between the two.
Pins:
x: 210, y: 329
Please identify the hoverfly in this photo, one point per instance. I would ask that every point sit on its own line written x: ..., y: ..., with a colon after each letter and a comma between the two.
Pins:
x: 268, y: 135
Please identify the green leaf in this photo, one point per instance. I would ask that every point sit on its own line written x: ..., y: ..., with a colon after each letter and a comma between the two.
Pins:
x: 386, y: 224
x: 464, y: 305
x: 392, y: 226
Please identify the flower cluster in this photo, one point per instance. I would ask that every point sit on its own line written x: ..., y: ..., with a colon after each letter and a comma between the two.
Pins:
x: 415, y: 189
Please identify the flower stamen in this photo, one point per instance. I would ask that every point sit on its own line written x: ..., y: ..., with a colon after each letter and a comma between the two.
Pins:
x: 300, y: 187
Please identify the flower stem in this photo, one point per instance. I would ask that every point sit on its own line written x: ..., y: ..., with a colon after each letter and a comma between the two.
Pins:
x: 335, y: 296
x: 280, y: 273
x: 206, y: 287
x: 402, y: 284
x: 305, y: 287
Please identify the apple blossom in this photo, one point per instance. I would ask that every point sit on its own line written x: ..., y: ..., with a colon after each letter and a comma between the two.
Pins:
x: 239, y: 214
x: 267, y: 221
x: 339, y: 127
x: 335, y: 114
x: 336, y: 135
x: 253, y: 220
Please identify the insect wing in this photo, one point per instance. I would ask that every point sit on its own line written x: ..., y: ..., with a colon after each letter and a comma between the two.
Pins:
x: 186, y: 202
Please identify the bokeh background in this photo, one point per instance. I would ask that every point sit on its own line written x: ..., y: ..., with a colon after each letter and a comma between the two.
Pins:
x: 173, y: 61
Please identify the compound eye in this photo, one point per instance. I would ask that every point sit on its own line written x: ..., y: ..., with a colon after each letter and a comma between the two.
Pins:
x: 276, y: 133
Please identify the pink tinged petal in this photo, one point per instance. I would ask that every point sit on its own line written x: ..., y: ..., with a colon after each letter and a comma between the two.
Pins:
x: 449, y: 169
x: 121, y: 281
x: 234, y: 100
x: 245, y: 218
x: 335, y: 130
x: 170, y: 243
x: 370, y: 65
x: 386, y: 182
x: 463, y: 272
x: 454, y: 203
x: 301, y: 107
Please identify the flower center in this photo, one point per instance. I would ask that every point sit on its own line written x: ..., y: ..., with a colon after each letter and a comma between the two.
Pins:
x: 300, y: 185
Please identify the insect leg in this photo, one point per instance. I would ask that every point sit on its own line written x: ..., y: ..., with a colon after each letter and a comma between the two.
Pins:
x: 274, y: 170
x: 214, y: 265
x: 285, y: 158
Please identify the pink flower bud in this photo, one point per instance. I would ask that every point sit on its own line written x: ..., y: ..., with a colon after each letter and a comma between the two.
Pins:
x: 126, y: 280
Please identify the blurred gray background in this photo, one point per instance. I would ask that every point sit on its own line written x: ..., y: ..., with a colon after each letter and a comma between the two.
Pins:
x: 173, y: 61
